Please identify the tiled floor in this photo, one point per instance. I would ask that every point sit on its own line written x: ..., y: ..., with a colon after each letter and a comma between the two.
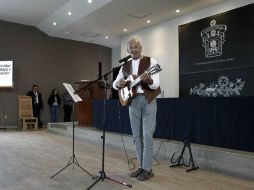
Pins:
x: 28, y: 160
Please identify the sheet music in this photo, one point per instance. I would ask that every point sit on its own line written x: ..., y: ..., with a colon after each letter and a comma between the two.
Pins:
x: 71, y: 91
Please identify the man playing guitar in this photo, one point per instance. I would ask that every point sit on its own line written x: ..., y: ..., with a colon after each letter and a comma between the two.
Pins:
x: 143, y: 106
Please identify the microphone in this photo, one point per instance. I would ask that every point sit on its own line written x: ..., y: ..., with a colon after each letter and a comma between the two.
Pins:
x: 125, y: 59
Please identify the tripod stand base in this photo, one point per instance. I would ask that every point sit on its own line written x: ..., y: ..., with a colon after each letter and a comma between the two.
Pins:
x: 73, y: 160
x: 103, y: 176
x: 180, y: 161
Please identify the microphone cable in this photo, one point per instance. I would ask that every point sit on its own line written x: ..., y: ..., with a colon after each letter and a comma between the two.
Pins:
x: 155, y: 156
x: 129, y: 161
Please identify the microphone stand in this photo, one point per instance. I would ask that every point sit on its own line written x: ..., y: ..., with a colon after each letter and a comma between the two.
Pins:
x: 102, y: 174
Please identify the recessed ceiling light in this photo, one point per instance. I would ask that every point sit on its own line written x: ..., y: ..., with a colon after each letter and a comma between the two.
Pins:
x: 125, y: 30
x: 69, y: 13
x: 54, y: 23
x: 178, y: 11
x: 89, y: 1
x: 106, y: 37
x: 67, y: 32
x: 148, y: 21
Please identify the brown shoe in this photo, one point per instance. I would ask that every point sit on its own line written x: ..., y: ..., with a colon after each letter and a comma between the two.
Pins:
x: 145, y: 175
x: 136, y: 173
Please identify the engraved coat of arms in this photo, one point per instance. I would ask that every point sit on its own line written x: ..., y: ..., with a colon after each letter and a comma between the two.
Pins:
x: 213, y: 38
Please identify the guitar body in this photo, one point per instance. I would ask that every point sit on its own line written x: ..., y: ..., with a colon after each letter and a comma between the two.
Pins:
x: 127, y: 93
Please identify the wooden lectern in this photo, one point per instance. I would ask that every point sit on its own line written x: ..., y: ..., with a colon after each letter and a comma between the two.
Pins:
x: 85, y: 108
x: 26, y: 118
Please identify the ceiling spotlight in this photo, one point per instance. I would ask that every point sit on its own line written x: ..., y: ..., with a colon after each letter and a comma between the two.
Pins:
x: 148, y: 21
x: 54, y: 23
x: 178, y: 11
x: 125, y: 30
x: 67, y: 32
x: 106, y: 37
x: 89, y: 1
x: 69, y: 13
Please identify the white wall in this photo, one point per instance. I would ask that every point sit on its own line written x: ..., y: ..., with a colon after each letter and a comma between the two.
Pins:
x: 161, y: 42
x: 116, y: 56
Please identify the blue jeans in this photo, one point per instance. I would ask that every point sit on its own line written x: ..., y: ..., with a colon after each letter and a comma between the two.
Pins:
x: 143, y: 121
x: 54, y: 113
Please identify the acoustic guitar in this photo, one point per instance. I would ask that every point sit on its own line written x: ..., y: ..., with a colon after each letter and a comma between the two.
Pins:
x: 128, y: 92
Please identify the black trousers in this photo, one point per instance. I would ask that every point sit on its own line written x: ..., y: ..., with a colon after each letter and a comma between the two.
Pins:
x: 37, y: 113
x: 67, y: 113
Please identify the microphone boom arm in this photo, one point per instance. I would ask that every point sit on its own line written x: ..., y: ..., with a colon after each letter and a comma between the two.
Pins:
x: 100, y: 78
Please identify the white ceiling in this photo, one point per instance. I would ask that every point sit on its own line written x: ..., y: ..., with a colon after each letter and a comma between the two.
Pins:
x: 92, y: 22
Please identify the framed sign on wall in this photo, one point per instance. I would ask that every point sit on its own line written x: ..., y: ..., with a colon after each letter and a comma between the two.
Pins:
x: 6, y: 74
x: 216, y: 55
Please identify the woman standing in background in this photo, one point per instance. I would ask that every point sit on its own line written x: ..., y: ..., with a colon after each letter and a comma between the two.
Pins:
x: 54, y: 103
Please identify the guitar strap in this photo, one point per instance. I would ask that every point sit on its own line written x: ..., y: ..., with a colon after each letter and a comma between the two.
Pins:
x: 127, y: 69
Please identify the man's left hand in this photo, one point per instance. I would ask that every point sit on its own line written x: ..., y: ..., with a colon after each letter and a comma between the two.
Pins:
x: 147, y: 79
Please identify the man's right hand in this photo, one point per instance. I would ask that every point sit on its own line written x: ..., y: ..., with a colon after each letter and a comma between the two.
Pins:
x: 121, y: 83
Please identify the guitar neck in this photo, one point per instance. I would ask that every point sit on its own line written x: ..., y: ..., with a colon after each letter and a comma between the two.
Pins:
x: 136, y: 81
x: 156, y: 68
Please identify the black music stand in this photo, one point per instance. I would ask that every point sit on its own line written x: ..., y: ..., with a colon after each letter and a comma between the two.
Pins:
x: 73, y: 159
x: 102, y: 174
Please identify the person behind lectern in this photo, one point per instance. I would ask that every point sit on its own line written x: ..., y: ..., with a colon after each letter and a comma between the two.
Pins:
x: 37, y: 103
x: 68, y: 104
x: 143, y: 106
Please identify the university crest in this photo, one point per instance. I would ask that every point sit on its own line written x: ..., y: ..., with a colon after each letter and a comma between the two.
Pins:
x: 213, y: 38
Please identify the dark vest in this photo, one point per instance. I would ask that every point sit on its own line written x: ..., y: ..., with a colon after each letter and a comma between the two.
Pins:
x: 144, y: 64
